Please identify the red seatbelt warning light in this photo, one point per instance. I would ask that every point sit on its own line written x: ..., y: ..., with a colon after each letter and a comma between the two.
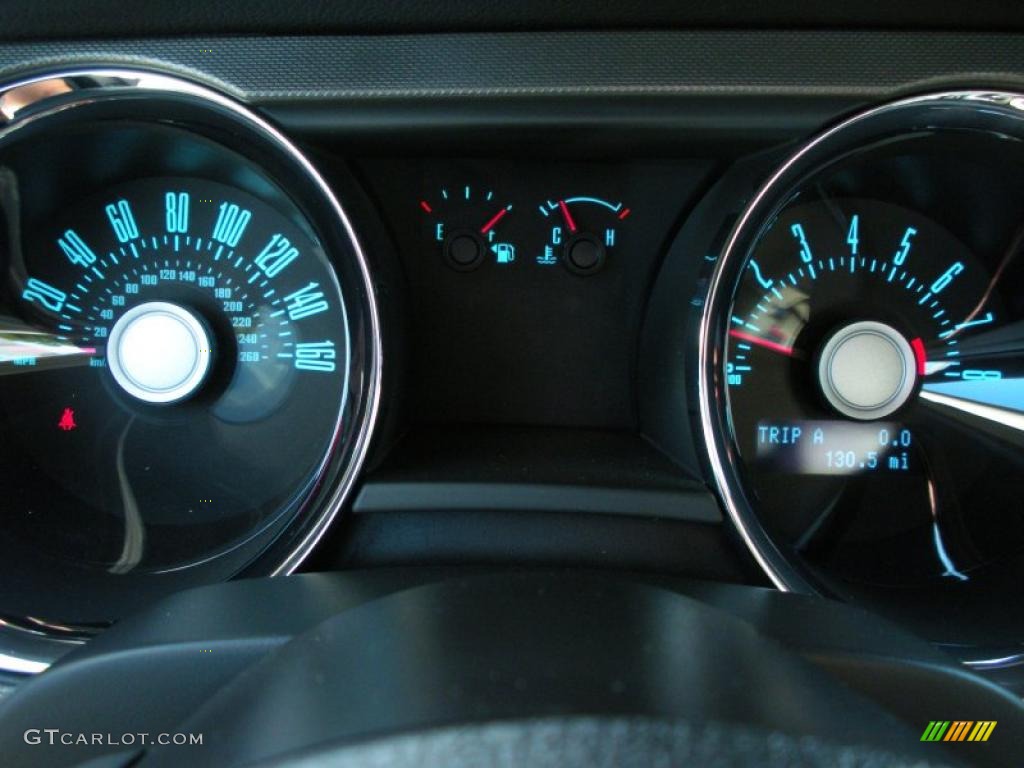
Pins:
x: 67, y: 420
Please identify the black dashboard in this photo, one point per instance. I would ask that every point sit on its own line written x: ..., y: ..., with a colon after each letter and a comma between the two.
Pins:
x: 718, y: 298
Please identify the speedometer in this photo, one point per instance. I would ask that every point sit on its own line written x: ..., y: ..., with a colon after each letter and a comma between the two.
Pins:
x: 184, y: 362
x: 862, y: 363
x: 189, y: 350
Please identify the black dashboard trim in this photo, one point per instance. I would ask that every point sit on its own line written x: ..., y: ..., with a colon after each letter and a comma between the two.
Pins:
x: 154, y: 17
x: 750, y: 62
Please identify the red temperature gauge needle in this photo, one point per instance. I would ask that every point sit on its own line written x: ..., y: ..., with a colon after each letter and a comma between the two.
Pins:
x: 774, y: 346
x: 568, y: 216
x: 494, y: 220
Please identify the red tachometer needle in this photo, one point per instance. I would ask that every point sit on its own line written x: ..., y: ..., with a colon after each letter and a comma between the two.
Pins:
x: 919, y: 355
x: 568, y: 216
x: 774, y: 346
x: 494, y: 220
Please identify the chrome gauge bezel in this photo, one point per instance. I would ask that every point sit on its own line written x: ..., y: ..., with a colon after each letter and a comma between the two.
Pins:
x: 28, y: 647
x: 968, y: 110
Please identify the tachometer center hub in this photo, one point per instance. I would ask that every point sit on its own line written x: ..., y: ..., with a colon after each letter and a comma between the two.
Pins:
x: 867, y: 370
x: 159, y: 352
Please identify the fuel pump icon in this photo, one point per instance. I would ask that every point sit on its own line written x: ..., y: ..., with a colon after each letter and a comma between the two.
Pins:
x: 504, y: 253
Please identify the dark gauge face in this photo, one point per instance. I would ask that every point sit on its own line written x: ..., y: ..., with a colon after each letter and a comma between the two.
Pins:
x: 862, y: 369
x: 873, y: 382
x: 174, y: 361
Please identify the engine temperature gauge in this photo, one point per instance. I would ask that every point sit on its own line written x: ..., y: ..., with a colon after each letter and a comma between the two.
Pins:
x: 583, y: 229
x: 465, y: 222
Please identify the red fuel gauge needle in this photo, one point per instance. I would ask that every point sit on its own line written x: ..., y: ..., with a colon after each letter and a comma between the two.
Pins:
x: 568, y: 216
x: 494, y: 220
x: 773, y: 346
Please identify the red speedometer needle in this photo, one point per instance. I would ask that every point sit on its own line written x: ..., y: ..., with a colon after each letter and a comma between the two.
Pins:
x: 494, y: 220
x: 774, y: 346
x: 568, y: 216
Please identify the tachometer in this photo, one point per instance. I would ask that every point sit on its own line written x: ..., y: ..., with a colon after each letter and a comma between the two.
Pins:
x: 862, y: 363
x: 850, y: 314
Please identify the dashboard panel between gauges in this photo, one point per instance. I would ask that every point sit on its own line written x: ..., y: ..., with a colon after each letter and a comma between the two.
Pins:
x: 190, y: 352
x: 528, y: 280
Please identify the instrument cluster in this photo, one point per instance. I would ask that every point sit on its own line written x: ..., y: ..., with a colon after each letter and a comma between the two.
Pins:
x: 197, y: 335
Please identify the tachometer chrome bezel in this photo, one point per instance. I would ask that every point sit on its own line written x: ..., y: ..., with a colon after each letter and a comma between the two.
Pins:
x: 960, y: 109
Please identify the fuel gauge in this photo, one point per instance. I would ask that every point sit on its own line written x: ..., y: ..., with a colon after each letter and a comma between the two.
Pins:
x: 465, y: 222
x: 583, y: 230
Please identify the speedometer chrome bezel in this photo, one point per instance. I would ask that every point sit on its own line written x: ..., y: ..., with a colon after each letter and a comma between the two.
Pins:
x: 960, y: 109
x: 27, y: 648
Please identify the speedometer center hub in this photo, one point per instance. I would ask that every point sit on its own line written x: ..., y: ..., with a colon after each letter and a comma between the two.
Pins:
x: 867, y: 370
x: 159, y: 352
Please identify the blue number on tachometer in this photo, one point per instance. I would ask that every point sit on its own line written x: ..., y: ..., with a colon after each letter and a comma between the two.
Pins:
x: 901, y: 254
x: 805, y: 248
x: 947, y: 277
x: 975, y: 374
x: 852, y: 238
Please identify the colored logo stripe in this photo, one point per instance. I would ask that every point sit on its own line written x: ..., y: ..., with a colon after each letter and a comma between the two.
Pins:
x: 958, y: 730
x: 935, y: 730
x: 982, y: 730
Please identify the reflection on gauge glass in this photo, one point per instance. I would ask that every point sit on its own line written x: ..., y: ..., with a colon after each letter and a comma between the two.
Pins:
x: 173, y: 373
